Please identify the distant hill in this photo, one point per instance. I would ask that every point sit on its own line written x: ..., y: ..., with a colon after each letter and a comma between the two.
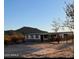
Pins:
x: 25, y: 30
x: 9, y: 32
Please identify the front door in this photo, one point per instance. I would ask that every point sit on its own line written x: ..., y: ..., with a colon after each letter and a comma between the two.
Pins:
x: 41, y: 38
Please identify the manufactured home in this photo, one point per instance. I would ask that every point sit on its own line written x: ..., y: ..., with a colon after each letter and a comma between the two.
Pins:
x: 46, y: 36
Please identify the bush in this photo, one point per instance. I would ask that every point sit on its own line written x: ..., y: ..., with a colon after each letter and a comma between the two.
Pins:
x: 15, y: 37
x: 7, y: 39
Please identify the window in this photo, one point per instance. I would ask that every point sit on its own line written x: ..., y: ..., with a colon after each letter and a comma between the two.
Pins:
x: 31, y: 36
x: 37, y: 36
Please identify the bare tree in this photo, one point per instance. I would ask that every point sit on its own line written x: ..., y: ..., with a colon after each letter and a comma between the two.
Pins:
x: 68, y: 24
x: 69, y: 11
x: 56, y: 24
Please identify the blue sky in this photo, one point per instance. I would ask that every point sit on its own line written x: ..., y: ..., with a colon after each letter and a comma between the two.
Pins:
x: 32, y: 13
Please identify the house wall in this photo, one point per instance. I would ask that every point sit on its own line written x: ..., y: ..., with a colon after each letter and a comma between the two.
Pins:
x: 32, y: 36
x: 63, y: 34
x: 38, y: 36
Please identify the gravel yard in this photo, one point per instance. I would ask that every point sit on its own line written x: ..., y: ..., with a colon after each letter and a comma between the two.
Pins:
x: 40, y: 50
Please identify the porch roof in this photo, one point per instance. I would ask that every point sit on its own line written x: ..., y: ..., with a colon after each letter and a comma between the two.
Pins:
x: 49, y: 33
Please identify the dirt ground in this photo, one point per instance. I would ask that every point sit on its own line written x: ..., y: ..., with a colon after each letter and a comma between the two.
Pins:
x: 40, y: 50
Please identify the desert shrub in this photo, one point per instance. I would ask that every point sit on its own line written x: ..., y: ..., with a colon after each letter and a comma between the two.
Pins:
x: 14, y: 37
x: 17, y: 37
x: 7, y: 39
